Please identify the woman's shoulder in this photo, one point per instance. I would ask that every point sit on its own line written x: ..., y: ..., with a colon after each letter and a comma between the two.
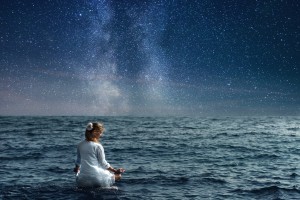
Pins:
x: 91, y: 143
x: 98, y: 144
x: 82, y: 142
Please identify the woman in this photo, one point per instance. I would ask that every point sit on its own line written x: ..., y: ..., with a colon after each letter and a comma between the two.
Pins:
x: 91, y: 167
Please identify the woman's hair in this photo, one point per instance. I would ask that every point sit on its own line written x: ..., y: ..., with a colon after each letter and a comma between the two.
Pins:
x: 90, y: 135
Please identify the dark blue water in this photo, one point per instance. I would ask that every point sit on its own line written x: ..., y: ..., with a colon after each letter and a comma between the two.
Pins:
x: 164, y: 158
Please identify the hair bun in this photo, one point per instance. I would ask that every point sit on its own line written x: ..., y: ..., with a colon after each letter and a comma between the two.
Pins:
x: 89, y: 127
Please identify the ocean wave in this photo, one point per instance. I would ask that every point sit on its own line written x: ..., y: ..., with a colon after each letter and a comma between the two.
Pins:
x: 60, y: 170
x: 142, y: 170
x: 208, y: 180
x: 50, y: 191
x: 294, y: 175
x: 238, y: 147
x: 190, y: 128
x: 293, y: 129
x: 159, y: 179
x: 30, y: 155
x: 269, y: 191
x: 266, y: 156
x: 132, y: 149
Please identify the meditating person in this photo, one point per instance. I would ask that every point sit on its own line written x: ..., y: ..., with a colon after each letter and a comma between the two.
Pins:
x: 91, y: 167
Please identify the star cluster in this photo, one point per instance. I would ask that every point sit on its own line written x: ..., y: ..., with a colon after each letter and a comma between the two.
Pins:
x: 162, y: 57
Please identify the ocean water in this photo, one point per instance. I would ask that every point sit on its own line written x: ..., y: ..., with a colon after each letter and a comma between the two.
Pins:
x: 164, y: 158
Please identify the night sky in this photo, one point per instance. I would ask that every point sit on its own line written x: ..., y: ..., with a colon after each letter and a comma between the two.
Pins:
x: 150, y: 58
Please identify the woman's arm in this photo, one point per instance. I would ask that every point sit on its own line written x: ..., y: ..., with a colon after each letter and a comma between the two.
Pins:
x: 101, y: 157
x: 116, y: 171
x: 78, y: 161
x: 110, y: 168
x: 104, y: 163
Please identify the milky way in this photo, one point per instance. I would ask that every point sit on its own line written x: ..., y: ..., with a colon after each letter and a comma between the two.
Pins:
x: 195, y: 58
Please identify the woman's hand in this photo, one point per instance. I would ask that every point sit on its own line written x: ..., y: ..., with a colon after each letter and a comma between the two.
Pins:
x: 76, y: 169
x: 120, y: 171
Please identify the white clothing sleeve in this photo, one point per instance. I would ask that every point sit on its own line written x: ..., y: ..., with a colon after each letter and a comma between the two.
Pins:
x: 101, y: 157
x: 78, y: 160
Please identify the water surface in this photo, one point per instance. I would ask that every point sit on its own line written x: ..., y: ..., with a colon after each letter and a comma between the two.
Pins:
x: 164, y: 158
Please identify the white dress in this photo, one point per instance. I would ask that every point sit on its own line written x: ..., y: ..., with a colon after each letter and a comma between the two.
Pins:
x: 93, y: 166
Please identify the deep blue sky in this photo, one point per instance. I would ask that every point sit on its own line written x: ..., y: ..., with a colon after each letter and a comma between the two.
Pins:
x: 175, y: 57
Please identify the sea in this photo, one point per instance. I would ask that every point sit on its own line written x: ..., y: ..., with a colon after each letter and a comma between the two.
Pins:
x: 164, y: 157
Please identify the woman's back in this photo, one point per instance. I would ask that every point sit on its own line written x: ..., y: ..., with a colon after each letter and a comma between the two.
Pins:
x: 88, y: 152
x: 93, y: 165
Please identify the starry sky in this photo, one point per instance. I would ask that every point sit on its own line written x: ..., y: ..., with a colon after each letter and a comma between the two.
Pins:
x: 150, y: 58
